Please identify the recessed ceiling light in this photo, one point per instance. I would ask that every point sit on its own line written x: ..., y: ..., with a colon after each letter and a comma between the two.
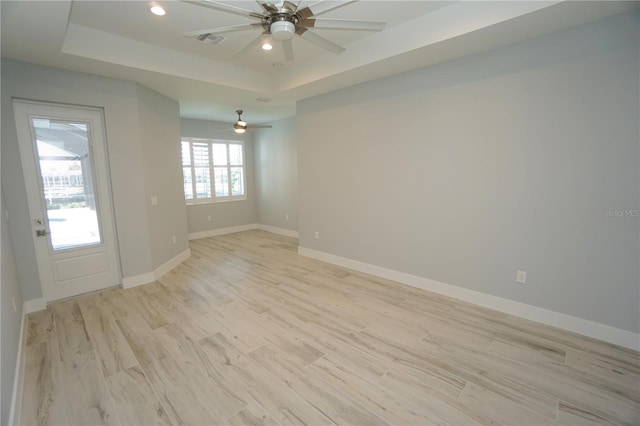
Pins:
x: 158, y: 10
x: 267, y: 46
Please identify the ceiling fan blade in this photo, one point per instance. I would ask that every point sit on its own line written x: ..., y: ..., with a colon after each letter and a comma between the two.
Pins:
x: 318, y: 40
x: 259, y: 126
x: 222, y: 30
x: 253, y: 43
x: 287, y: 48
x: 268, y: 7
x: 290, y: 6
x: 225, y: 8
x: 321, y: 7
x: 343, y: 24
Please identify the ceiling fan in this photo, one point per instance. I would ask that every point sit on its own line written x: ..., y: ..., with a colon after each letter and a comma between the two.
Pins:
x: 241, y: 126
x: 282, y: 20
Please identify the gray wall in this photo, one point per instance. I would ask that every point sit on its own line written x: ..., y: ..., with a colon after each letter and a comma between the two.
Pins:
x: 224, y: 214
x: 141, y: 128
x: 159, y: 138
x: 467, y: 171
x: 10, y: 320
x: 277, y: 175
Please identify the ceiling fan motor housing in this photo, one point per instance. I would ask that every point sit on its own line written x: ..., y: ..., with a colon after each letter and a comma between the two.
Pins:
x: 281, y: 24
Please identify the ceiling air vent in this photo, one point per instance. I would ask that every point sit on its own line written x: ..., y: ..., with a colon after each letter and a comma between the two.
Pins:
x: 211, y: 38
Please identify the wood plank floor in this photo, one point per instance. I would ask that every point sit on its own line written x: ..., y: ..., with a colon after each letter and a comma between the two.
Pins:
x: 247, y: 332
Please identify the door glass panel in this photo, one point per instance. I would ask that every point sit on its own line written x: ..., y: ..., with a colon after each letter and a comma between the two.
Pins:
x: 67, y: 181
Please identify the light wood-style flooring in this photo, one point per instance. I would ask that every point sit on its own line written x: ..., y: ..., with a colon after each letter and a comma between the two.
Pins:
x: 247, y: 332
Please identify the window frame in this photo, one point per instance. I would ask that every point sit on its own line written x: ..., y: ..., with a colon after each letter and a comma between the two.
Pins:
x: 212, y: 183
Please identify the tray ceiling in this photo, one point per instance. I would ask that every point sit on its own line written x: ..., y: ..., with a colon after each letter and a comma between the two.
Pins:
x: 122, y: 39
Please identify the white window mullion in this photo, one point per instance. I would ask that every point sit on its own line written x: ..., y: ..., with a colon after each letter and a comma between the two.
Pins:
x: 193, y: 172
x: 244, y: 175
x: 228, y: 170
x: 212, y: 178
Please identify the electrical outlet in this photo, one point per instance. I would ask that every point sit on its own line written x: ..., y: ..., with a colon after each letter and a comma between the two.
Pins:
x: 174, y: 239
x: 208, y: 218
x: 317, y: 235
x: 521, y: 277
x: 286, y: 217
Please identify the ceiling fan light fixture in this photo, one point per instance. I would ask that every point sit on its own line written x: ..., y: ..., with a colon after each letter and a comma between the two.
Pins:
x: 239, y: 130
x: 282, y: 30
x: 158, y: 10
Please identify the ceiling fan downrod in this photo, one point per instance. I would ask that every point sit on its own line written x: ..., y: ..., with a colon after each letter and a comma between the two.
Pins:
x: 240, y: 126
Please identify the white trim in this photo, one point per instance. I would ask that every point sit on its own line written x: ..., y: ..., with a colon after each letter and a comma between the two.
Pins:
x: 172, y: 263
x: 149, y: 277
x: 582, y: 326
x: 213, y: 198
x: 241, y: 228
x: 222, y: 231
x: 280, y: 231
x: 45, y: 262
x: 136, y: 280
x: 35, y: 305
x: 15, y: 412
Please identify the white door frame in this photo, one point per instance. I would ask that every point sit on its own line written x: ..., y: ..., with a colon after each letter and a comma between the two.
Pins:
x: 103, y: 255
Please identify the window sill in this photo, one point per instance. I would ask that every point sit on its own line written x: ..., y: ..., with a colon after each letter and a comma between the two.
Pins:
x: 199, y: 203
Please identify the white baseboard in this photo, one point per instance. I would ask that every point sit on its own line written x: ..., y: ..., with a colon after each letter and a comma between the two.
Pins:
x: 136, y: 280
x: 15, y: 413
x: 169, y: 265
x: 149, y: 277
x: 241, y: 228
x: 35, y: 305
x: 279, y: 231
x: 222, y: 231
x: 582, y: 326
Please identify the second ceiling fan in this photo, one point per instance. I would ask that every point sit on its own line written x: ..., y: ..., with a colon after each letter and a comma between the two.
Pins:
x: 283, y: 20
x: 241, y: 126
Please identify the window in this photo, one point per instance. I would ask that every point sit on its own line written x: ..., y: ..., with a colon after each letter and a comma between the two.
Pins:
x: 212, y: 170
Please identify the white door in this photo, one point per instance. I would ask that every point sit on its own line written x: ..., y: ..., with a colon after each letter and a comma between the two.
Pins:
x: 65, y: 169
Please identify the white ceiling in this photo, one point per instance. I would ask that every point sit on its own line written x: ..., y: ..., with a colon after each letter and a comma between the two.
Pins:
x: 122, y: 39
